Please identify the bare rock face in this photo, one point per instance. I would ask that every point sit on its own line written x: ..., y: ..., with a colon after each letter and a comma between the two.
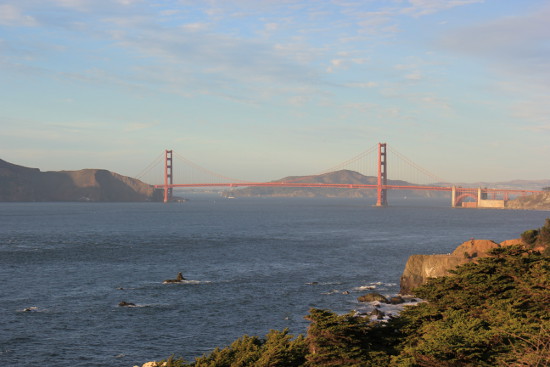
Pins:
x: 474, y: 248
x: 420, y: 268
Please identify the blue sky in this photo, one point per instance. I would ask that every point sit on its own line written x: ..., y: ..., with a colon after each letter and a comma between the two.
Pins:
x: 264, y: 89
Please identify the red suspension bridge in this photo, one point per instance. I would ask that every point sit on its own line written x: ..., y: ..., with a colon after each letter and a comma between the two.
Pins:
x: 460, y: 196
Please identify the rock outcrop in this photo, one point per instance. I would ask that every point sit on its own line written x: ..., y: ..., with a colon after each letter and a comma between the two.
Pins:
x: 373, y: 297
x: 178, y: 279
x: 420, y: 268
x: 18, y: 183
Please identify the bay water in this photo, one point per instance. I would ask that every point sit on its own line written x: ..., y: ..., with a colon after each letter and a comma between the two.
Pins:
x: 251, y: 265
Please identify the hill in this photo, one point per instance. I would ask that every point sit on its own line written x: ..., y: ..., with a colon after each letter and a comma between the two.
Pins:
x: 512, y: 184
x: 18, y: 183
x: 338, y: 177
x: 539, y: 201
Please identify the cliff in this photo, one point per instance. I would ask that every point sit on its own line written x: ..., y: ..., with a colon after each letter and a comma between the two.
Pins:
x: 539, y: 201
x: 18, y: 183
x: 419, y: 268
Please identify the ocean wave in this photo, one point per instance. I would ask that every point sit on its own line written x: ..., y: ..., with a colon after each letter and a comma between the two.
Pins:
x: 188, y: 281
x: 31, y: 309
x: 364, y: 288
x: 379, y: 311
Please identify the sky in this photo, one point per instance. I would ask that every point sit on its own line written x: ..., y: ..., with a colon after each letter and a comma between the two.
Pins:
x: 262, y: 89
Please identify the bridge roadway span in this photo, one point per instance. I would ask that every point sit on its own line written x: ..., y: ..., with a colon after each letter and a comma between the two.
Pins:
x: 349, y: 186
x: 458, y: 193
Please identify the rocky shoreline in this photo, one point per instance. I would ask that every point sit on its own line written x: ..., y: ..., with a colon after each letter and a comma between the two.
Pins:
x: 420, y: 268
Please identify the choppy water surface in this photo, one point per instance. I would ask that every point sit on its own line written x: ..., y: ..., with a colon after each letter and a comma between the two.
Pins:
x: 249, y: 264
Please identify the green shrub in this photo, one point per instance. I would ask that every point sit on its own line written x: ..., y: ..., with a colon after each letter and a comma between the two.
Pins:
x: 530, y: 236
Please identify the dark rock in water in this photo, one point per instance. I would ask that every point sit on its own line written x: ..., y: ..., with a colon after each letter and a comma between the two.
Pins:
x: 126, y: 304
x: 397, y: 300
x: 379, y: 314
x: 312, y: 283
x: 345, y: 292
x: 178, y: 279
x: 372, y: 297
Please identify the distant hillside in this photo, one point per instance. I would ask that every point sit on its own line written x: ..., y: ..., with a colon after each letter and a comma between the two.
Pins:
x: 512, y: 184
x: 532, y: 202
x: 18, y: 183
x: 338, y: 177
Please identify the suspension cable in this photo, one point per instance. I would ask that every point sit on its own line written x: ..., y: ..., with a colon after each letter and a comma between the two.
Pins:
x: 419, y: 168
x: 204, y: 170
x: 351, y: 160
x: 151, y: 165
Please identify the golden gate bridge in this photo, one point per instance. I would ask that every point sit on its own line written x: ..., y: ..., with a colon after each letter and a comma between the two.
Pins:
x: 473, y: 197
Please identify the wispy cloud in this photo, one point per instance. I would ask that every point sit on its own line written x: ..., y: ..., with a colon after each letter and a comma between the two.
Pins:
x: 416, y: 75
x: 11, y: 15
x: 419, y: 8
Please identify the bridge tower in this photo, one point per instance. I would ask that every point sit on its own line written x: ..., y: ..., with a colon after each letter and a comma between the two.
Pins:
x: 382, y: 200
x: 168, y: 176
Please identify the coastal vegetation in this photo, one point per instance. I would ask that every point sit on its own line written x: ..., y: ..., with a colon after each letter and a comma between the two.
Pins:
x: 492, y: 312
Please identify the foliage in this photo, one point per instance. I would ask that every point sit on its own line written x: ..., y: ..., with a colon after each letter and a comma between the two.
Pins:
x: 544, y: 234
x: 277, y: 349
x: 539, y: 237
x: 530, y: 236
x: 348, y: 340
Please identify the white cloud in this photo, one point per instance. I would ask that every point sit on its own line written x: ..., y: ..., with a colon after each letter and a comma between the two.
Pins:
x: 195, y: 27
x: 416, y: 75
x: 419, y: 8
x: 13, y: 16
x: 335, y: 64
x: 270, y: 27
x: 376, y: 23
x: 362, y: 85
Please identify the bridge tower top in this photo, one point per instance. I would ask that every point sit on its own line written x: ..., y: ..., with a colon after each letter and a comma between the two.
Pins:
x: 168, y: 177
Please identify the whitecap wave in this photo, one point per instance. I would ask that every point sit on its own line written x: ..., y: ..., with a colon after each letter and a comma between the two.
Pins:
x: 30, y: 309
x: 188, y: 281
x: 387, y: 310
x: 364, y: 287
